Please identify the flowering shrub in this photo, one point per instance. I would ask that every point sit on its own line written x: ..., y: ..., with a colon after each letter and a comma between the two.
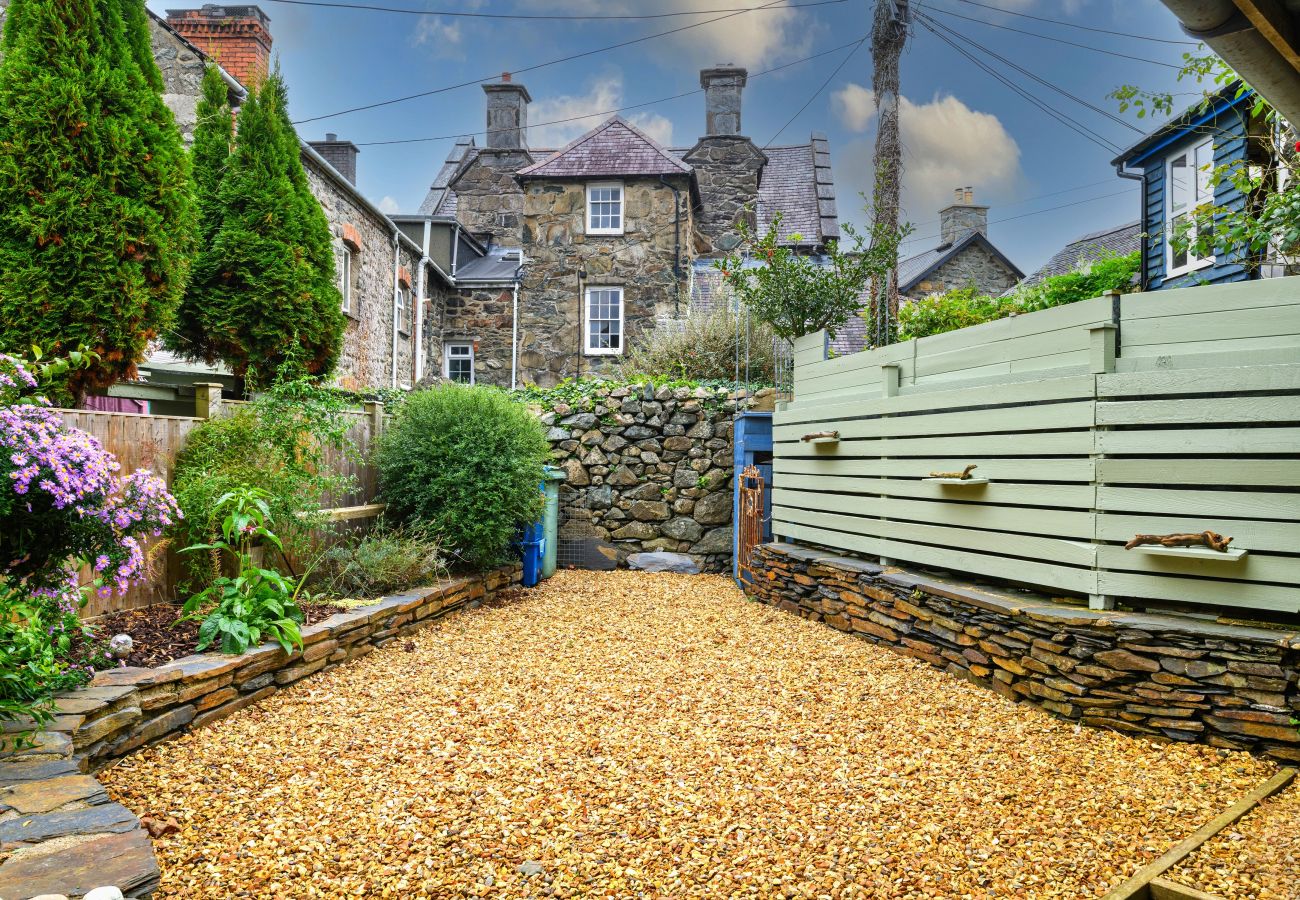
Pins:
x: 62, y: 504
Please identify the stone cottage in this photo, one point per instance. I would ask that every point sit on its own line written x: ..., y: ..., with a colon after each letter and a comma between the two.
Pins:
x: 592, y: 245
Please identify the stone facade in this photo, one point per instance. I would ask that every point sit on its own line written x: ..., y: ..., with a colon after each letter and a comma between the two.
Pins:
x: 645, y: 470
x: 727, y: 168
x: 1165, y: 677
x: 59, y: 831
x: 975, y: 265
x: 490, y: 200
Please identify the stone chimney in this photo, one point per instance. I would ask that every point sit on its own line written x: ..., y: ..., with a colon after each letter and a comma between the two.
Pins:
x: 237, y: 38
x: 507, y: 115
x: 963, y: 217
x: 342, y: 155
x: 722, y: 86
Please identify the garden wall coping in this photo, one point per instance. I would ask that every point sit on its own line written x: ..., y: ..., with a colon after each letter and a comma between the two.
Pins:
x: 59, y: 831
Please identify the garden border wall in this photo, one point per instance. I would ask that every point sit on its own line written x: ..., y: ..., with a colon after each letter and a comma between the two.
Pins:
x: 46, y: 795
x: 1167, y: 677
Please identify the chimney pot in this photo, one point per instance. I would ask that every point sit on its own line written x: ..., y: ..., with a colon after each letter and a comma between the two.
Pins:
x: 722, y: 89
x: 237, y: 38
x: 342, y: 155
x: 331, y: 136
x: 507, y: 115
x: 963, y: 217
x: 505, y: 77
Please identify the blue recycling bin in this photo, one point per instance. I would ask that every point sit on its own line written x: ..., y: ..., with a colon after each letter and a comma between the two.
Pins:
x: 533, y: 548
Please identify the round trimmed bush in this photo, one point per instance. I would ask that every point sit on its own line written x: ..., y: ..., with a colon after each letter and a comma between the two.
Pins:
x: 466, y: 462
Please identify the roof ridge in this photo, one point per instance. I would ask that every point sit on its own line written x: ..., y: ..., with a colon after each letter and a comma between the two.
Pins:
x: 598, y: 130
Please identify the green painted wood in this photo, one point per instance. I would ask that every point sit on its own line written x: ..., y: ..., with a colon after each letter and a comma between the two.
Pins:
x: 1254, y: 535
x: 1020, y: 571
x: 1060, y: 318
x: 1226, y: 324
x: 853, y: 543
x: 1046, y: 443
x: 1075, y: 553
x: 1164, y: 359
x: 1199, y: 411
x: 1201, y: 381
x: 996, y: 469
x: 1199, y: 441
x: 1212, y: 298
x: 1238, y: 594
x: 1043, y: 351
x: 823, y: 519
x: 1038, y: 417
x: 1251, y: 567
x: 1192, y: 502
x: 1072, y: 496
x: 1203, y: 471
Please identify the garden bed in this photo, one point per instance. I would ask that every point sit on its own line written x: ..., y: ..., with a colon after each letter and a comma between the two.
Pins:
x: 628, y: 734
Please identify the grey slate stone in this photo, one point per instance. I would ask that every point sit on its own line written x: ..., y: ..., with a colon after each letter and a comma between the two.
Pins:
x: 663, y: 561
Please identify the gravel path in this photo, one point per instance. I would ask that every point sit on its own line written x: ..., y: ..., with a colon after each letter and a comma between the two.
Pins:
x: 633, y: 735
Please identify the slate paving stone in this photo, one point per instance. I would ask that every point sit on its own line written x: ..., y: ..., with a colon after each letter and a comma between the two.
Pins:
x: 125, y: 860
x: 107, y: 818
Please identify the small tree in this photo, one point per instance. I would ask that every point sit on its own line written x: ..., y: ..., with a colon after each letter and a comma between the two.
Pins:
x: 267, y: 283
x: 213, y: 135
x: 1264, y: 229
x: 96, y: 204
x: 798, y: 294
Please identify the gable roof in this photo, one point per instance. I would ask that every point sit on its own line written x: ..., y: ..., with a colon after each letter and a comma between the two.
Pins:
x: 1190, y: 118
x: 1118, y: 241
x: 797, y: 180
x: 614, y: 147
x: 914, y: 269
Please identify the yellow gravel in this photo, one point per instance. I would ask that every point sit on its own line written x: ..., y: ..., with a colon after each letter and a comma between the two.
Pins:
x: 633, y: 735
x: 1258, y: 858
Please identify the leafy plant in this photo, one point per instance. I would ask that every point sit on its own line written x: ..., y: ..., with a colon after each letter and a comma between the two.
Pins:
x: 465, y: 461
x: 385, y: 559
x: 256, y: 602
x: 797, y: 294
x: 717, y: 345
x: 97, y: 217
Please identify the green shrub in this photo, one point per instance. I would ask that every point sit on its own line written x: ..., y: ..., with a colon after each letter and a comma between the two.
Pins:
x: 949, y: 311
x: 386, y: 559
x: 1109, y: 273
x: 709, y: 345
x: 465, y: 461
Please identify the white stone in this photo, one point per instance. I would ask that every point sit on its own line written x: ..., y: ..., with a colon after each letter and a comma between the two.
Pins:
x: 663, y: 561
x: 104, y: 893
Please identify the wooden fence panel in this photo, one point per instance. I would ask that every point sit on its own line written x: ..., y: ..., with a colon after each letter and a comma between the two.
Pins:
x: 1189, y: 420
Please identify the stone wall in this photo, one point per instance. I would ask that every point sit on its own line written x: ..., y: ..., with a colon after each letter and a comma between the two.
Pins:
x: 490, y: 201
x: 646, y: 470
x: 1167, y: 677
x: 60, y: 833
x: 367, y: 355
x: 727, y: 169
x: 973, y: 266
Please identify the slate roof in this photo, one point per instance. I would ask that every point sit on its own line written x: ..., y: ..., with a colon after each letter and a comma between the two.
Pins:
x: 1118, y: 241
x: 913, y: 270
x: 614, y: 148
x: 797, y: 180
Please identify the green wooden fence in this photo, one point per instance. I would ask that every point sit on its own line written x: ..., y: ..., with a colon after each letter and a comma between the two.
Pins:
x: 1145, y: 413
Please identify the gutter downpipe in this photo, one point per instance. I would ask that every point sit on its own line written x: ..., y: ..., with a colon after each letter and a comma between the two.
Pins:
x: 1140, y: 177
x: 419, y: 316
x: 455, y: 249
x: 397, y: 265
x: 677, y: 246
x: 514, y: 335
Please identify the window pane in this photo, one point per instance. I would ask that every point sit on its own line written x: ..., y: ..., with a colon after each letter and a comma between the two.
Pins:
x: 1204, y: 164
x: 1177, y: 257
x: 1180, y: 183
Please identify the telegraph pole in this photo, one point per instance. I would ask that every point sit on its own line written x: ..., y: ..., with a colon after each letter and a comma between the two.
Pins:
x: 888, y: 36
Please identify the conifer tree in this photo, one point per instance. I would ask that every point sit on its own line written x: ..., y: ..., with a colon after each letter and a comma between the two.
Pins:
x: 213, y: 134
x: 96, y: 204
x: 270, y: 299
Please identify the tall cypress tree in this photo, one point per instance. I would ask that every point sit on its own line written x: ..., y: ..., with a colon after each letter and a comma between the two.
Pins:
x: 269, y: 295
x: 213, y: 134
x: 96, y: 205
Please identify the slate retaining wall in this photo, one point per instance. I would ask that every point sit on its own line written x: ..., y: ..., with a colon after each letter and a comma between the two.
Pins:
x: 1168, y: 677
x: 59, y: 834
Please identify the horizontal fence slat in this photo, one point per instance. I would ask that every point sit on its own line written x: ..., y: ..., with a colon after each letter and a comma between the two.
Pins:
x: 1039, y: 443
x: 1078, y: 496
x: 1199, y: 590
x: 996, y: 469
x: 1202, y: 471
x: 1258, y: 567
x: 1200, y: 381
x: 1227, y: 504
x: 1199, y: 411
x: 1199, y: 441
x: 1248, y: 534
x: 1045, y: 417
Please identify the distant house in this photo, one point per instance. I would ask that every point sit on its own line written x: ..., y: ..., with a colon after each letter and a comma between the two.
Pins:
x: 1174, y: 165
x: 1118, y: 241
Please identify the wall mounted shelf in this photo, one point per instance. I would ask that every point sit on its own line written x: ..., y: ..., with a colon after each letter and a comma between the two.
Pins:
x: 963, y: 481
x: 1232, y: 554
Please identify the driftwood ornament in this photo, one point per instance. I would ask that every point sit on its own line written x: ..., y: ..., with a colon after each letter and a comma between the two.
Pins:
x: 963, y: 475
x: 1211, y: 539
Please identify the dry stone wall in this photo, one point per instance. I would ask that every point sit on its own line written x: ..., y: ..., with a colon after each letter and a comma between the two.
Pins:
x: 645, y: 470
x: 1167, y: 677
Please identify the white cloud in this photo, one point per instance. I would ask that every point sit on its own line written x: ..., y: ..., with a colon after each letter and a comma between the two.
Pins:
x: 388, y: 206
x: 574, y: 114
x: 946, y: 144
x: 749, y: 39
x: 444, y: 38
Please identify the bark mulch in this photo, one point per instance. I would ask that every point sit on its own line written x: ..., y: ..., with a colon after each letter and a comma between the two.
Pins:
x: 159, y: 636
x: 634, y: 735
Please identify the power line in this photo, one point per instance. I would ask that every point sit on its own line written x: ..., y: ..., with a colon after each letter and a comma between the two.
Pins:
x: 550, y: 17
x: 817, y: 93
x: 1032, y: 199
x: 1043, y: 81
x: 1048, y: 37
x: 1037, y: 212
x: 1136, y: 37
x: 534, y: 67
x: 1073, y: 124
x: 608, y: 112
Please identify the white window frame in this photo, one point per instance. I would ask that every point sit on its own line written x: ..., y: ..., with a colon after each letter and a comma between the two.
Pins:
x: 446, y: 358
x: 1199, y: 184
x: 345, y: 276
x: 622, y: 207
x: 587, y: 348
x: 404, y: 310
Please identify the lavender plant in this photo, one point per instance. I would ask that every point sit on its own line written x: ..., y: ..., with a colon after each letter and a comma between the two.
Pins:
x: 62, y: 505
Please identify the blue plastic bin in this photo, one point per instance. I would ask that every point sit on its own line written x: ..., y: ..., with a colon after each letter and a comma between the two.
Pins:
x: 533, y: 549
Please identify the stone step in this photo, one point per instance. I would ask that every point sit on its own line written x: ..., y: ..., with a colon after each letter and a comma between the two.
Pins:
x: 107, y: 818
x: 74, y: 866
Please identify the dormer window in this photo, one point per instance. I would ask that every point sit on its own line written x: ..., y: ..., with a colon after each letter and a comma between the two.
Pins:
x: 605, y: 208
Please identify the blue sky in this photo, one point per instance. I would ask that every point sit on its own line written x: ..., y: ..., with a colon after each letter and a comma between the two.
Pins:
x: 960, y: 125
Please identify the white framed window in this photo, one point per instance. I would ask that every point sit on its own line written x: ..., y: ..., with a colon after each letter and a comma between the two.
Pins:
x: 458, y: 361
x: 605, y: 207
x: 344, y: 260
x: 603, y: 321
x: 1187, y: 186
x: 404, y: 309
